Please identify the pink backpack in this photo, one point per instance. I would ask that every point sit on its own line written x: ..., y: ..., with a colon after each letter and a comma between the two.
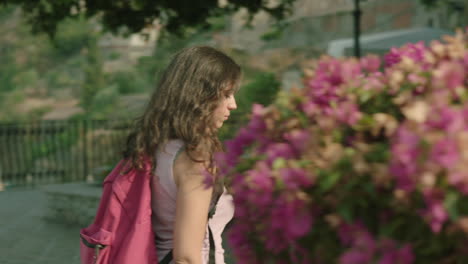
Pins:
x: 121, y: 232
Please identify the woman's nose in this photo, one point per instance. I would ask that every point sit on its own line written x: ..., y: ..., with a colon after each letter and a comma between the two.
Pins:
x: 232, y: 104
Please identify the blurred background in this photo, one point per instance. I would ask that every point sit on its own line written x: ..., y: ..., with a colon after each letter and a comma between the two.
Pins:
x: 75, y: 74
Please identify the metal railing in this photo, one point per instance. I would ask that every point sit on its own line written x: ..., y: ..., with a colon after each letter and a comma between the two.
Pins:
x: 58, y: 151
x: 36, y: 153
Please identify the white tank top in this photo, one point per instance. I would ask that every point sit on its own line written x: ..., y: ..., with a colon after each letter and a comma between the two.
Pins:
x: 163, y: 205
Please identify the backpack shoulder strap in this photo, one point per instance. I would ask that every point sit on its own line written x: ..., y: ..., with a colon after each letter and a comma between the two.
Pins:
x: 167, y: 259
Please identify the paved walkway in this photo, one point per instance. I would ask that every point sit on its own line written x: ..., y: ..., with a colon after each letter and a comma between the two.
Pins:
x: 26, y: 237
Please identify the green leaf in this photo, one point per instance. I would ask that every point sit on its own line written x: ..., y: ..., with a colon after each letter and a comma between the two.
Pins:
x: 329, y: 180
x: 247, y: 163
x: 279, y: 183
x: 366, y: 121
x: 337, y: 135
x: 450, y: 204
x: 279, y: 163
x: 350, y: 152
x: 303, y: 163
x: 365, y: 96
x: 380, y: 153
x: 392, y: 227
x: 346, y: 211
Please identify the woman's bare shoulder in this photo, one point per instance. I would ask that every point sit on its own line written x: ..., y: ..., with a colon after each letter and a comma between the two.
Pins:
x: 186, y: 169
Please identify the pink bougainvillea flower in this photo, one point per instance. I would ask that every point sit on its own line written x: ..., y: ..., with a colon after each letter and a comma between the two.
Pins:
x: 407, y: 137
x: 392, y: 57
x: 445, y: 153
x: 449, y: 75
x: 291, y: 217
x: 323, y: 93
x: 329, y: 70
x: 434, y: 213
x: 447, y: 119
x: 405, y: 255
x: 310, y: 108
x: 417, y: 79
x: 355, y: 234
x: 323, y: 86
x: 208, y: 180
x: 414, y: 51
x: 464, y: 113
x: 356, y: 256
x: 394, y: 255
x: 405, y: 146
x: 350, y: 70
x: 371, y: 63
x: 405, y: 152
x: 295, y: 178
x: 299, y: 224
x: 257, y: 110
x: 279, y: 150
x: 374, y: 82
x: 298, y: 139
x: 262, y: 183
x: 257, y: 124
x: 244, y: 138
x: 260, y: 177
x: 348, y: 113
x: 403, y: 173
x: 234, y: 148
x: 275, y: 241
x: 238, y: 238
x: 409, y: 174
x: 459, y: 180
x: 361, y: 243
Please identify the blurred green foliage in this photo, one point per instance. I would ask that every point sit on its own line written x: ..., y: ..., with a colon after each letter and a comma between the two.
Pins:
x: 36, y: 66
x: 104, y: 103
x: 94, y: 77
x: 73, y: 61
x: 8, y: 69
x: 129, y: 82
x: 261, y: 89
x: 26, y: 78
x: 72, y: 36
x: 275, y: 32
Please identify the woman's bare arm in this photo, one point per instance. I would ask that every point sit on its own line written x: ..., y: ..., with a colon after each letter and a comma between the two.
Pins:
x: 192, y: 205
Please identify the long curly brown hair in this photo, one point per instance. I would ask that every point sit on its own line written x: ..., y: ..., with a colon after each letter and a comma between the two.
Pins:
x: 181, y: 106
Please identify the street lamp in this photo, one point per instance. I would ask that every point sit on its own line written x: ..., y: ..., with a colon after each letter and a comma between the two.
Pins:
x: 357, y: 28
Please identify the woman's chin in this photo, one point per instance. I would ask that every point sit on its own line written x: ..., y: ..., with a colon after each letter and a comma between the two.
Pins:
x: 219, y: 124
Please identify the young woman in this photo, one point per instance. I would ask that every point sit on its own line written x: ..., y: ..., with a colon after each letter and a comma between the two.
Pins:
x: 178, y: 129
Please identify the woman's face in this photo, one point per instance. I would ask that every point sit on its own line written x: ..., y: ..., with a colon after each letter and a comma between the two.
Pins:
x: 223, y: 110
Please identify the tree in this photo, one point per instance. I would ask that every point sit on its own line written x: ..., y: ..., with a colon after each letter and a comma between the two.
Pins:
x: 94, y: 78
x: 134, y: 15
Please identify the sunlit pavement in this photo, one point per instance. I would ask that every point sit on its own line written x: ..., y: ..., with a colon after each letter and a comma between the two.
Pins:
x: 26, y: 237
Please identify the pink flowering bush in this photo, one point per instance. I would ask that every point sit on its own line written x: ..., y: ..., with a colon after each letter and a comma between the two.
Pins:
x: 367, y: 164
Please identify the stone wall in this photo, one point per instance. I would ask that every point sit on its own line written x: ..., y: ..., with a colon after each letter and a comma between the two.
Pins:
x: 315, y: 24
